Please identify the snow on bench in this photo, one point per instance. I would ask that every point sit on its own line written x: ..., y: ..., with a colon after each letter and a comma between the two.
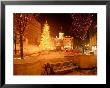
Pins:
x: 59, y: 68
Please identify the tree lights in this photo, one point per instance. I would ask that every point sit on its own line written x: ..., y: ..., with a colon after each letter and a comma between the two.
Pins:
x: 46, y: 42
x: 20, y: 22
x: 81, y: 24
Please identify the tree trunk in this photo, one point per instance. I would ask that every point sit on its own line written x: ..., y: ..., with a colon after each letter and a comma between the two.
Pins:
x: 83, y: 50
x: 21, y: 45
x: 15, y: 43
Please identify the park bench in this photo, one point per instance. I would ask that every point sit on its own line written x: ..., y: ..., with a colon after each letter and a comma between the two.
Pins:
x: 59, y: 68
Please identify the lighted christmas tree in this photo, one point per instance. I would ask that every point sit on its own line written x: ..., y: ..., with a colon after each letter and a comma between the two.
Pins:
x: 46, y: 42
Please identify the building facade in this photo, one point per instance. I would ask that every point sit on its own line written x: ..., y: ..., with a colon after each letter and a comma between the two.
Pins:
x: 63, y: 42
x: 68, y: 42
x: 32, y: 33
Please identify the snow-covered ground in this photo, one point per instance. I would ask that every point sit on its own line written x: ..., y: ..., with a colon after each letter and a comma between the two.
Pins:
x: 33, y: 62
x: 31, y: 49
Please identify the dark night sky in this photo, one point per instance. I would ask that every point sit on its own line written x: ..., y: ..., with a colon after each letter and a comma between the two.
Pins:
x: 58, y: 20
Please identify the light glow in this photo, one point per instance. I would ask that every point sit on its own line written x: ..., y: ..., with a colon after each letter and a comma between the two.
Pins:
x: 46, y: 41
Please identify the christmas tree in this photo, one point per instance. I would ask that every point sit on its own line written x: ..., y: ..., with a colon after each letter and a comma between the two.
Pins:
x: 46, y: 42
